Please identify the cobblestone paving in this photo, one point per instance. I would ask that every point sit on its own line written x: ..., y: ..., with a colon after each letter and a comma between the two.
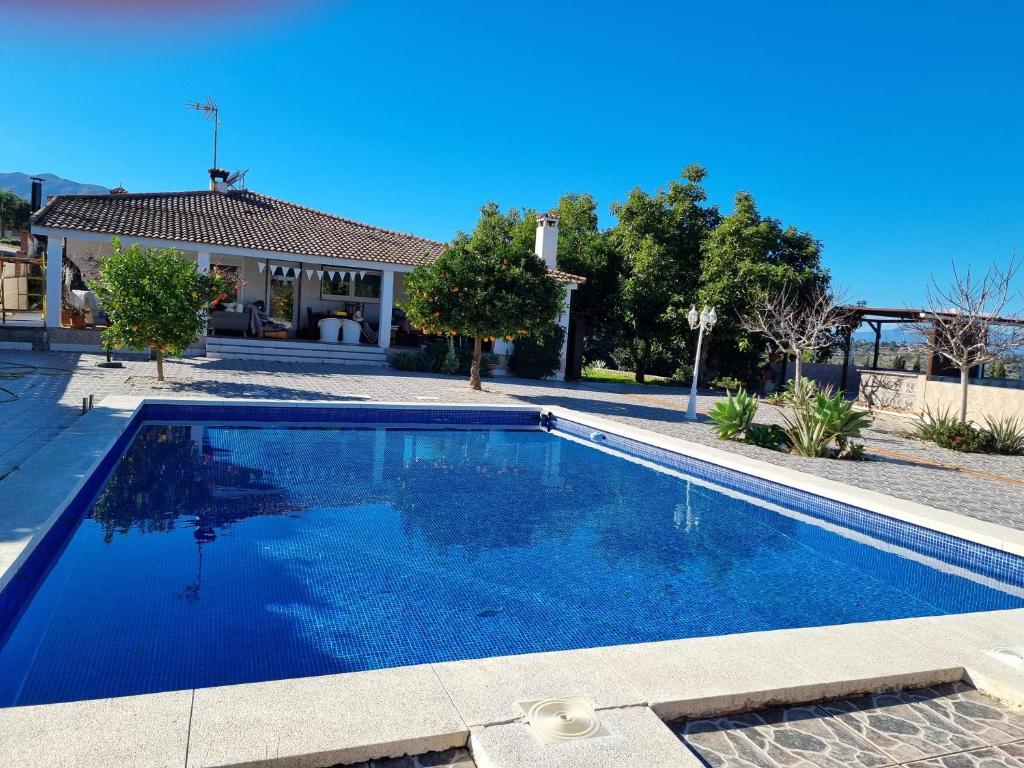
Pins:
x: 37, y: 403
x: 453, y: 758
x: 949, y: 726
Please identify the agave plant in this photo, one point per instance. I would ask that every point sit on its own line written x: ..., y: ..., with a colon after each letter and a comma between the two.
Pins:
x: 734, y: 414
x: 765, y: 436
x: 1007, y: 434
x: 819, y: 420
x: 840, y: 417
x: 806, y: 432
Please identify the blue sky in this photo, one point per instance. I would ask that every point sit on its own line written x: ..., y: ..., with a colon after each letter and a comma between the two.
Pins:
x: 891, y: 131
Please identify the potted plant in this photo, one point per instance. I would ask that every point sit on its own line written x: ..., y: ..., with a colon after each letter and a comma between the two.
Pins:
x: 77, y: 317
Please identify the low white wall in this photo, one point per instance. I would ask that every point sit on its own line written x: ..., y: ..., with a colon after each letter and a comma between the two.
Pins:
x: 994, y: 399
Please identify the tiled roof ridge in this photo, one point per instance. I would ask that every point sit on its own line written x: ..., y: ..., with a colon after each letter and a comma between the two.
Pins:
x: 238, y: 194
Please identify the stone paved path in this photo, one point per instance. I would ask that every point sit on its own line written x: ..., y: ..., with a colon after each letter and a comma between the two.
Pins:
x: 951, y: 726
x: 42, y: 393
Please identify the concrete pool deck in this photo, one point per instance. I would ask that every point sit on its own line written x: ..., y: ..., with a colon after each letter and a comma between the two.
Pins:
x: 354, y: 717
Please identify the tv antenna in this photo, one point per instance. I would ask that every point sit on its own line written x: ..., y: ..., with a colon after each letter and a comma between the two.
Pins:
x: 211, y: 112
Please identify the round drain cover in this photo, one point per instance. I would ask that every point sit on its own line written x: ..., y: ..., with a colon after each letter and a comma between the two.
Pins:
x: 563, y: 719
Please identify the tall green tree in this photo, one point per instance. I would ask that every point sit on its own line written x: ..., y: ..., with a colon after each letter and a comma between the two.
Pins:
x: 155, y: 299
x: 485, y: 285
x: 14, y: 212
x: 746, y: 259
x: 583, y: 249
x: 658, y: 238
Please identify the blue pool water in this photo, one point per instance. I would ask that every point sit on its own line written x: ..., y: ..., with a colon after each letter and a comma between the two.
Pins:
x: 228, y: 554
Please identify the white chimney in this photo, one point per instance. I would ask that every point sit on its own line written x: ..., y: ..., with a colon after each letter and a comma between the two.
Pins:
x: 218, y: 180
x: 546, y: 245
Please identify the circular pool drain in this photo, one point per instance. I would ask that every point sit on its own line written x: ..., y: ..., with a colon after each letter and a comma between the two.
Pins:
x: 565, y: 719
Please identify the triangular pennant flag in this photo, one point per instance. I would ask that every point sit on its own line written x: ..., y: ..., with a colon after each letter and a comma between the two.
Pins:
x: 319, y: 274
x: 262, y: 266
x: 309, y: 274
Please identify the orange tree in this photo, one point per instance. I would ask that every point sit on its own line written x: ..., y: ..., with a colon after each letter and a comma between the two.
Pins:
x: 154, y: 299
x: 487, y: 285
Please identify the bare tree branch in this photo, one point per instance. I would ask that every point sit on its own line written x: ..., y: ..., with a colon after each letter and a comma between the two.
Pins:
x: 795, y: 322
x: 973, y: 321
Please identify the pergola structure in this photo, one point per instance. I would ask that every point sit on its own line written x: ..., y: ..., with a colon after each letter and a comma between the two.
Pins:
x: 878, y: 317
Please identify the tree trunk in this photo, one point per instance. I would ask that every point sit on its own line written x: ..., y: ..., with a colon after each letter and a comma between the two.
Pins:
x: 796, y: 371
x: 474, y: 371
x: 964, y: 383
x: 640, y: 358
x: 159, y: 364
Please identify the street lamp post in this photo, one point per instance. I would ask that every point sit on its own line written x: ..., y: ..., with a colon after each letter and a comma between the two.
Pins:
x: 705, y: 320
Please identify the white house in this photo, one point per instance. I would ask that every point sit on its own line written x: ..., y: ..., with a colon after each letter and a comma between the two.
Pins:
x: 303, y: 264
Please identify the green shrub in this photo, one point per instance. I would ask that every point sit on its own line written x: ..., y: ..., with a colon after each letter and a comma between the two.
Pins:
x: 997, y: 370
x: 432, y: 356
x: 683, y: 375
x: 776, y: 398
x: 734, y: 414
x: 899, y: 363
x: 405, y: 361
x: 450, y: 364
x: 1006, y: 435
x: 765, y: 436
x: 947, y: 431
x: 917, y: 363
x: 537, y: 356
x: 727, y: 383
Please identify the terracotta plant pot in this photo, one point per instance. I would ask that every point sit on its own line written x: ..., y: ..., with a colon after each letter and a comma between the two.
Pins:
x: 65, y: 317
x: 77, y: 321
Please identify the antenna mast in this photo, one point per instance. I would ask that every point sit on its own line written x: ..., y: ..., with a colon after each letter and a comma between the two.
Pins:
x: 211, y: 112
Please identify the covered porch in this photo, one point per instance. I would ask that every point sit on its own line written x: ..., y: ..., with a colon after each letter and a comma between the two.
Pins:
x: 276, y: 301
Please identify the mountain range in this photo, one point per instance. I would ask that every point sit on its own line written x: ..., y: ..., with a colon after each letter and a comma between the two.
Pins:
x: 21, y: 184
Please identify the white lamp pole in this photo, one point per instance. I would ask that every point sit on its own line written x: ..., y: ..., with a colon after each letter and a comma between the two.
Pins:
x: 706, y: 319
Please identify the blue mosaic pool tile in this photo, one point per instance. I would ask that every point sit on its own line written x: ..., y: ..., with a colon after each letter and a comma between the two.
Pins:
x: 986, y: 561
x: 339, y: 414
x: 213, y: 546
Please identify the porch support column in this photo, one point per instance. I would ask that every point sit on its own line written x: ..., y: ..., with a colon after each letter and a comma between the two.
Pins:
x: 563, y: 323
x: 387, y: 301
x: 54, y: 281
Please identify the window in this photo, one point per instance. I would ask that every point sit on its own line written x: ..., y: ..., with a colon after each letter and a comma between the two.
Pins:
x: 350, y: 284
x: 367, y: 285
x: 337, y: 287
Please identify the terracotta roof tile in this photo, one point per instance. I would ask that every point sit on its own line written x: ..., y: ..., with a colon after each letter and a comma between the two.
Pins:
x: 235, y: 219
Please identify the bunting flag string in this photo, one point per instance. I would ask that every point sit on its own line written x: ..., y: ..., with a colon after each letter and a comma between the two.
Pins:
x: 309, y: 274
x: 319, y: 274
x: 262, y: 266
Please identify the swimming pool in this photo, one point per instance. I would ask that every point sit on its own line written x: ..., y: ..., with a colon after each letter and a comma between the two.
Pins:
x: 219, y: 546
